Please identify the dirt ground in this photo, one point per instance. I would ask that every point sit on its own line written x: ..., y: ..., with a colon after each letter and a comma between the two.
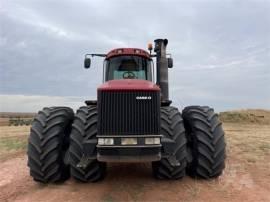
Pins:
x: 246, y: 177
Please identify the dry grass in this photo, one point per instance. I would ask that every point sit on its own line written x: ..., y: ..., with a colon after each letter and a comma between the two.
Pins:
x: 14, y: 131
x: 250, y: 142
x: 257, y: 116
x: 8, y: 144
x: 13, y: 140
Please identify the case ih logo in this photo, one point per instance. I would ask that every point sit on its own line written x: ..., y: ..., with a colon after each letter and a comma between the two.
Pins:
x: 143, y: 98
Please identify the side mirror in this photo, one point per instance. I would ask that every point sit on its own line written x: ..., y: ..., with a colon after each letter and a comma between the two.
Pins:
x: 170, y: 62
x: 87, y: 63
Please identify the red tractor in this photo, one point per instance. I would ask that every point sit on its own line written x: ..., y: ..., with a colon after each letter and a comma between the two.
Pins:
x: 132, y: 120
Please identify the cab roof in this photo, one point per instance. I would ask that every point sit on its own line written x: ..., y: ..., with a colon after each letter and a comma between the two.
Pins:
x: 128, y: 51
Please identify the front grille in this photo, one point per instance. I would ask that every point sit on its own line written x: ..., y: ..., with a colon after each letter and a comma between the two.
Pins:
x: 128, y: 113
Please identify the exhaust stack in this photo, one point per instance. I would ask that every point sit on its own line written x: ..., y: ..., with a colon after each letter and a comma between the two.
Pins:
x: 162, y: 70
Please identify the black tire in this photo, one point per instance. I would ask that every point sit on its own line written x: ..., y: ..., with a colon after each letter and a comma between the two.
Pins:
x: 48, y: 144
x: 172, y: 127
x: 85, y: 128
x: 206, y: 142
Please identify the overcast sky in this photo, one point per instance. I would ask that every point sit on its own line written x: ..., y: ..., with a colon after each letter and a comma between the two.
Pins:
x: 221, y: 49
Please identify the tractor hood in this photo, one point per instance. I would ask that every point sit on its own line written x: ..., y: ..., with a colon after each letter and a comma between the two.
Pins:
x: 128, y: 84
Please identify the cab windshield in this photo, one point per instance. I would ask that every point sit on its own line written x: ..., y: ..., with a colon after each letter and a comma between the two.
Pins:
x: 128, y: 67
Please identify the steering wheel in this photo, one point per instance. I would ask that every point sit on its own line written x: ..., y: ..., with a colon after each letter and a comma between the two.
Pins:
x: 129, y: 75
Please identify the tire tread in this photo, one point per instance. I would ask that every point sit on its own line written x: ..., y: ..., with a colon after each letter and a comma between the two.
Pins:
x: 45, y: 144
x: 172, y: 127
x: 206, y: 137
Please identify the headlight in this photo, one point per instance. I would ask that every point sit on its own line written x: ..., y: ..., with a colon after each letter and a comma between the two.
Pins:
x: 108, y: 141
x: 152, y: 140
x: 105, y: 141
x: 100, y: 141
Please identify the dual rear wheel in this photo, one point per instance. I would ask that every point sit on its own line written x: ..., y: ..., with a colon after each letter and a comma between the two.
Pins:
x: 55, y: 145
x: 198, y: 143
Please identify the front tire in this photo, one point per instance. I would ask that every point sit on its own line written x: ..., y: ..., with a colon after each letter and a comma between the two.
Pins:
x: 206, y: 142
x: 172, y: 127
x: 85, y: 128
x: 48, y: 143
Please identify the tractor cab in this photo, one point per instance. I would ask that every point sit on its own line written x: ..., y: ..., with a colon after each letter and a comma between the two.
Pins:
x: 126, y: 63
x: 128, y: 67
